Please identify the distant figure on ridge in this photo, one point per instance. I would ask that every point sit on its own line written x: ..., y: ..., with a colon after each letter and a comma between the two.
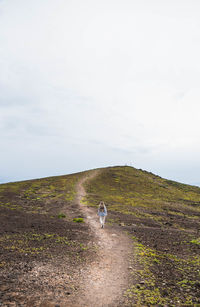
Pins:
x: 102, y: 212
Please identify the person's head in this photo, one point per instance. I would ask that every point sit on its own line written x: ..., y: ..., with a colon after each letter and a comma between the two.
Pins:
x: 101, y: 205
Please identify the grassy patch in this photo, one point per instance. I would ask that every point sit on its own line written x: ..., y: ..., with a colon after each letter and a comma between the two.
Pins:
x: 78, y: 220
x: 151, y: 290
x: 40, y: 196
x: 135, y: 192
x: 195, y: 241
x: 164, y: 216
x: 61, y: 215
x: 35, y: 243
x: 145, y: 291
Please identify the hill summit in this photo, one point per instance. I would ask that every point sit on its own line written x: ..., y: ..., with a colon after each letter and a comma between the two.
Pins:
x: 48, y: 238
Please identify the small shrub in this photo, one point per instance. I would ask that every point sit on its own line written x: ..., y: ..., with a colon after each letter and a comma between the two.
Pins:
x: 78, y: 220
x: 61, y: 215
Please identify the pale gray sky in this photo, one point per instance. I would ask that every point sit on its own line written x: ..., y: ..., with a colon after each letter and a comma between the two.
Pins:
x: 86, y: 84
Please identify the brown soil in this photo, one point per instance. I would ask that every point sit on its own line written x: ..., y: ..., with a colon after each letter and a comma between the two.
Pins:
x: 39, y: 268
x: 51, y: 261
x: 105, y: 280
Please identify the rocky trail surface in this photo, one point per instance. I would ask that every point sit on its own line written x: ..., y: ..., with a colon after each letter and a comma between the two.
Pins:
x: 103, y: 282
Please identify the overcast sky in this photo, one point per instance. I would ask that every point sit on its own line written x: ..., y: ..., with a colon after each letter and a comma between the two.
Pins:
x: 86, y: 84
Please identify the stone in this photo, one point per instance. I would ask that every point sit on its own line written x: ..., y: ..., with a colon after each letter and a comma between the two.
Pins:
x: 4, y: 288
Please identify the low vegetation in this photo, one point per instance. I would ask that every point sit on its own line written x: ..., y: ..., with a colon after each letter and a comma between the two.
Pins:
x: 44, y: 237
x: 42, y: 249
x: 61, y: 215
x: 162, y: 218
x: 78, y: 220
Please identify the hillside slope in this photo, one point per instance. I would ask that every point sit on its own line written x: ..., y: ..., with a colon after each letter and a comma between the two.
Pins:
x: 42, y: 248
x: 163, y: 219
x: 44, y: 251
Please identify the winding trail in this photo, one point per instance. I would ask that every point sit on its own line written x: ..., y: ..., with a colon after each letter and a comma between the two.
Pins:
x: 105, y: 280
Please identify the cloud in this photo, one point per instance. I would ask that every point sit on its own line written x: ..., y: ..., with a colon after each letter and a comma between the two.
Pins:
x: 110, y: 81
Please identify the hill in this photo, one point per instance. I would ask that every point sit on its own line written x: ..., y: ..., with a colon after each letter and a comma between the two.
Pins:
x: 46, y: 241
x: 162, y: 217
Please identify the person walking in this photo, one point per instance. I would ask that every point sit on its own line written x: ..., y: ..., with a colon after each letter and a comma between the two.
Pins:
x: 102, y: 213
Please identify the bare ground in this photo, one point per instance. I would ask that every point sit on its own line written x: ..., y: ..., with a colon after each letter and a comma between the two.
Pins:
x: 50, y: 262
x: 103, y: 282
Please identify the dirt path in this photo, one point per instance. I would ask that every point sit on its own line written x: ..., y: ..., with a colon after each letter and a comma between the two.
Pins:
x: 104, y: 282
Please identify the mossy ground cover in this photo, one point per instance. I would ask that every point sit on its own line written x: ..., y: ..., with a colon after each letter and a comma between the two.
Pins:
x: 43, y: 196
x: 162, y: 217
x: 37, y: 231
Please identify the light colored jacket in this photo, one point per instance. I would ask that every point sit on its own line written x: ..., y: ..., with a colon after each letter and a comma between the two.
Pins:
x: 102, y: 213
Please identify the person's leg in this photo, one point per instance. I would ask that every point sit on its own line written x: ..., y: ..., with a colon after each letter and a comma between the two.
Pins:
x: 103, y: 221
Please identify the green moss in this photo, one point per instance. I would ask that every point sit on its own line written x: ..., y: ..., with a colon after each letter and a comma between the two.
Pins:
x: 145, y: 293
x: 11, y: 206
x: 40, y: 196
x: 78, y: 220
x: 195, y: 241
x: 61, y: 215
x: 143, y: 195
x: 148, y: 290
x: 144, y: 296
x: 23, y: 243
x: 130, y: 194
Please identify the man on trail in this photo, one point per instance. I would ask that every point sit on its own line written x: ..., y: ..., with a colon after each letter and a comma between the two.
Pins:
x: 102, y: 212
